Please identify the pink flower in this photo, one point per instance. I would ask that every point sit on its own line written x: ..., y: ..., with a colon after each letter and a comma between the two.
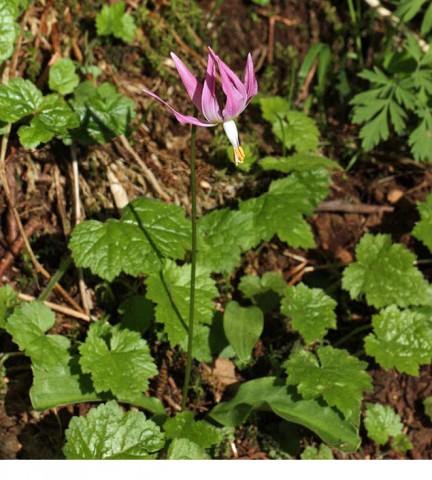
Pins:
x: 238, y: 95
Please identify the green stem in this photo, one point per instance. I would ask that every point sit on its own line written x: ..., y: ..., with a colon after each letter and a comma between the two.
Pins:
x: 193, y: 270
x: 352, y: 334
x: 354, y: 19
x: 64, y: 265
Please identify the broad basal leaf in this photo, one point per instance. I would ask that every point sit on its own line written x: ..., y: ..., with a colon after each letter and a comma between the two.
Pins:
x: 104, y: 113
x: 183, y: 425
x: 170, y: 290
x: 401, y: 338
x: 382, y: 422
x: 297, y: 131
x: 334, y: 375
x: 265, y: 393
x: 423, y: 228
x: 108, y: 433
x: 134, y: 244
x: 385, y: 274
x: 185, y: 449
x: 62, y: 76
x: 264, y: 291
x: 222, y: 236
x: 243, y: 327
x: 118, y: 360
x: 311, y: 311
x: 137, y: 313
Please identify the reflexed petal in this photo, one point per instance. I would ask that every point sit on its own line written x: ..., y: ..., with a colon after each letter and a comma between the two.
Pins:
x: 210, y: 105
x: 191, y: 84
x: 182, y: 118
x: 250, y: 81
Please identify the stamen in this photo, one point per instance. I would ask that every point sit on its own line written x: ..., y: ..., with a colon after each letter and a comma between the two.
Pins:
x: 239, y: 154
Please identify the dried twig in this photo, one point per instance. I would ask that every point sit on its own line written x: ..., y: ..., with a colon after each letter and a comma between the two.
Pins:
x: 146, y: 171
x: 343, y: 207
x: 57, y: 308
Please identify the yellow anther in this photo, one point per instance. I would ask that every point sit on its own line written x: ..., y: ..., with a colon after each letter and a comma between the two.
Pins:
x: 240, y: 154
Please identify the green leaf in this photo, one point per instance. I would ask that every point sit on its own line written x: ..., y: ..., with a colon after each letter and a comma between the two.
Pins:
x: 8, y: 301
x: 18, y: 99
x: 385, y: 274
x: 8, y: 32
x: 408, y: 9
x: 334, y: 375
x: 108, y: 433
x: 420, y: 139
x: 118, y: 360
x: 427, y: 404
x: 401, y: 443
x: 266, y: 393
x: 104, y: 113
x: 134, y: 244
x: 381, y: 422
x: 243, y: 327
x: 62, y: 76
x: 423, y: 228
x: 264, y: 291
x: 300, y: 162
x: 274, y: 108
x: 27, y: 325
x: 170, y: 290
x: 281, y: 210
x: 321, y: 453
x: 311, y: 311
x: 401, y: 338
x: 222, y: 235
x: 184, y: 449
x: 183, y: 425
x: 297, y: 131
x: 112, y: 20
x: 137, y: 313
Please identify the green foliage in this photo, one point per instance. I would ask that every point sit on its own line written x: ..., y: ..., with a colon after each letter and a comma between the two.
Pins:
x: 148, y: 229
x: 113, y: 20
x: 323, y: 452
x: 427, y: 404
x: 103, y: 112
x: 384, y: 272
x: 243, y: 327
x: 295, y: 130
x: 137, y: 313
x: 401, y: 338
x: 223, y: 235
x: 299, y: 162
x: 183, y: 425
x: 8, y: 301
x: 399, y: 98
x: 185, y: 449
x: 119, y: 361
x: 280, y: 211
x: 50, y: 116
x: 321, y: 55
x: 267, y: 393
x: 423, y: 228
x: 170, y: 290
x: 265, y: 291
x: 62, y: 76
x: 108, y: 433
x: 408, y: 9
x: 401, y: 443
x: 334, y: 375
x: 8, y: 28
x: 381, y: 422
x: 311, y: 311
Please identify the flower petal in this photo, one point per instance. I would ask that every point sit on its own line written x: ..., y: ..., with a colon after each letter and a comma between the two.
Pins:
x: 250, y: 81
x: 233, y: 88
x: 186, y: 119
x: 210, y: 106
x: 193, y: 87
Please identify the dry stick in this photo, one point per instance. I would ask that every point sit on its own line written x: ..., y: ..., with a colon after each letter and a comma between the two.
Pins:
x: 146, y: 171
x: 85, y: 297
x: 362, y: 208
x: 57, y: 308
x: 385, y: 13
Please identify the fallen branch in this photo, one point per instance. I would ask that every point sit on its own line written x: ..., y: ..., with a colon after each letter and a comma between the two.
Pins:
x: 343, y: 207
x: 57, y: 308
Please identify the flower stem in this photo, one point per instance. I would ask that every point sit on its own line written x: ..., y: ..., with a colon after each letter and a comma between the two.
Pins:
x: 193, y: 269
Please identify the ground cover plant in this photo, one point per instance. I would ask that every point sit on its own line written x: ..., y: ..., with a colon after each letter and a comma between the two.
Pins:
x: 258, y: 289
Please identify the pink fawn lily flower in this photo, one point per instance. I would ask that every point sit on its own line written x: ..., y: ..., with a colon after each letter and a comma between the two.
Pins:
x: 238, y: 95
